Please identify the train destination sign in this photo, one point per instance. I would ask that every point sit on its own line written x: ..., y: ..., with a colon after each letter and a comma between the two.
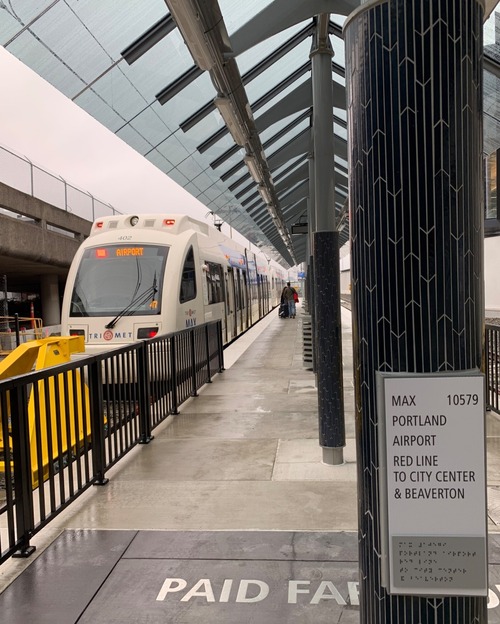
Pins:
x: 433, y: 483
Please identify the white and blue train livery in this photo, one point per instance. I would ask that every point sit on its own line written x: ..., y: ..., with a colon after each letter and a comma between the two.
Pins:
x: 138, y: 276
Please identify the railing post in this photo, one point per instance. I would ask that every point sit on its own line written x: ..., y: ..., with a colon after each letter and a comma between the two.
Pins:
x: 492, y: 361
x: 144, y: 394
x: 207, y: 345
x: 16, y: 327
x: 66, y: 207
x: 487, y: 365
x: 22, y: 471
x: 97, y: 422
x: 173, y: 369
x: 220, y: 346
x: 494, y: 393
x: 193, y: 362
x: 32, y: 178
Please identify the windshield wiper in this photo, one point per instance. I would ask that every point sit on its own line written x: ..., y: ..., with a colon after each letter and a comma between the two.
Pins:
x: 135, y: 303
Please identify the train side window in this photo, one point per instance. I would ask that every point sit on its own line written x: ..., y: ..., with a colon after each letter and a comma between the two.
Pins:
x: 239, y: 290
x: 188, y: 280
x: 214, y: 282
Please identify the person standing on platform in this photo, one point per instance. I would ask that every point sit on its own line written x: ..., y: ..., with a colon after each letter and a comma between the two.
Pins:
x: 290, y: 296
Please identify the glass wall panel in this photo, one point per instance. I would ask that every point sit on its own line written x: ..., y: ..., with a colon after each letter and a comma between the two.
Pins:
x: 100, y: 110
x: 115, y: 25
x: 280, y: 69
x: 173, y: 150
x: 193, y: 97
x: 14, y: 18
x: 42, y: 61
x: 236, y: 13
x: 115, y: 89
x: 67, y: 37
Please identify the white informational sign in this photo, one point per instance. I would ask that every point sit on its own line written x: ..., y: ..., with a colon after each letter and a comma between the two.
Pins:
x: 432, y: 480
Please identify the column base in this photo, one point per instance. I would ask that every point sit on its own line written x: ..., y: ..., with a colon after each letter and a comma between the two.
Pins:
x: 333, y: 456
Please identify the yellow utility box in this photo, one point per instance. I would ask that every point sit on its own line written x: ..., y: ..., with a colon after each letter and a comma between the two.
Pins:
x: 58, y: 408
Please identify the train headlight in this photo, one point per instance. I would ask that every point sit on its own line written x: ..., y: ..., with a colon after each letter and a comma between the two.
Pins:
x: 134, y: 220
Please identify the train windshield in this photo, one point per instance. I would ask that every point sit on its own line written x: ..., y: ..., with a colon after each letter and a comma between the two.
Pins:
x: 123, y: 280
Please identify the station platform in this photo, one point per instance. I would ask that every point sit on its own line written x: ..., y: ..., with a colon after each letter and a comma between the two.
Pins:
x: 228, y: 515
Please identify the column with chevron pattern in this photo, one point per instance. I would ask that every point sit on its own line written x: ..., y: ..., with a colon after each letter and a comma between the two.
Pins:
x: 414, y: 83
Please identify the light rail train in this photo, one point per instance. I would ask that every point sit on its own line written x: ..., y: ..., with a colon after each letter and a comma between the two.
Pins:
x: 137, y: 276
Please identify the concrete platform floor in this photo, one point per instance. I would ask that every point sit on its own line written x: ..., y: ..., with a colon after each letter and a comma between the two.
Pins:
x: 240, y: 463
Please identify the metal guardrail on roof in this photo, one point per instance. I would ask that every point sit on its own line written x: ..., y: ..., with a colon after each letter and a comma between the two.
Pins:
x: 20, y: 173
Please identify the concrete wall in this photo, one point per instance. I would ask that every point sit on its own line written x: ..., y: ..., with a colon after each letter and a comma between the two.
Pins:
x: 28, y: 248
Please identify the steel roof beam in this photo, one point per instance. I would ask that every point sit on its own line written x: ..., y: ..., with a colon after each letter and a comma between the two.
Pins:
x: 246, y: 189
x: 298, y: 99
x: 250, y: 75
x: 197, y: 117
x: 281, y: 86
x: 283, y: 49
x: 174, y: 88
x: 296, y: 193
x: 298, y: 145
x: 289, y: 107
x: 280, y: 15
x: 231, y: 172
x: 225, y: 156
x: 289, y: 168
x: 341, y: 168
x: 340, y: 147
x: 288, y: 128
x: 299, y: 174
x: 149, y: 39
x: 295, y: 212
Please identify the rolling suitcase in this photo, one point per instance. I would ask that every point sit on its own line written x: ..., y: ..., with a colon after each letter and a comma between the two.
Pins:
x: 283, y: 310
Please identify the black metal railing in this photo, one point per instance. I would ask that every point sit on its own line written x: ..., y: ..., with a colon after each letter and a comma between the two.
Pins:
x: 492, y: 366
x: 63, y: 427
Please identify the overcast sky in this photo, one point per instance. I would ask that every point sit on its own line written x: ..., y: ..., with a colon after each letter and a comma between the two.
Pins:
x: 40, y: 123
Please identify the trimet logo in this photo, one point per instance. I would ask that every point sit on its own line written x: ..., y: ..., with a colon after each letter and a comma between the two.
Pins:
x: 108, y: 335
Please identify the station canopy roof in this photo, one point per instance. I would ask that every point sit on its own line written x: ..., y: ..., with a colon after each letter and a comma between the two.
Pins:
x: 215, y: 93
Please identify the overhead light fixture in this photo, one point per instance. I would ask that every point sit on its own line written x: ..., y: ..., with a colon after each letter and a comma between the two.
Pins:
x: 228, y: 114
x: 188, y: 21
x: 251, y: 164
x: 264, y: 193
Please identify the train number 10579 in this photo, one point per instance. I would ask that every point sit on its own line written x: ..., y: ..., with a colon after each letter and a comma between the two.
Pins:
x: 462, y: 399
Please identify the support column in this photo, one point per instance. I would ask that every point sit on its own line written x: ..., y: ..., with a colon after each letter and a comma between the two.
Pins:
x: 326, y: 256
x: 51, y: 306
x: 311, y: 219
x: 415, y: 139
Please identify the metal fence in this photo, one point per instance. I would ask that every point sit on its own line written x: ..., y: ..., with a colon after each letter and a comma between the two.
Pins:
x: 20, y: 173
x: 492, y: 366
x: 63, y: 427
x: 15, y: 330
